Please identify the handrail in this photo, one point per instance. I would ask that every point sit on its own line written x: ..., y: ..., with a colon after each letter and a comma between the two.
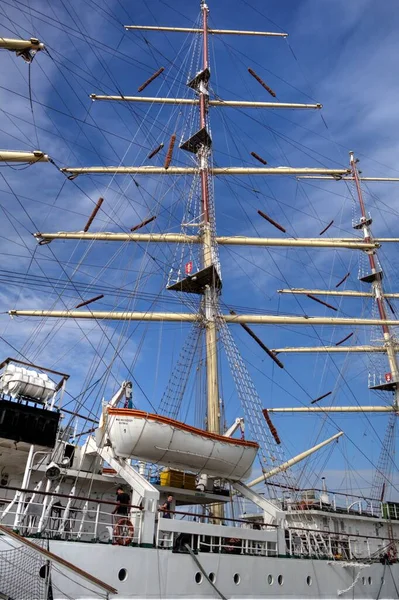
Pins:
x: 332, y: 492
x: 109, y: 502
x: 190, y: 514
x: 359, y: 502
x: 337, y: 534
x: 67, y: 496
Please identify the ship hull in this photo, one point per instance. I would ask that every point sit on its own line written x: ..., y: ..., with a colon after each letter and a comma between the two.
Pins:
x: 162, y: 574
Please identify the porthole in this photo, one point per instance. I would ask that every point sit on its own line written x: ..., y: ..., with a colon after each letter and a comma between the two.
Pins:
x: 122, y: 575
x: 382, y: 581
x: 280, y: 580
x: 370, y: 581
x: 198, y: 577
x: 363, y: 580
x: 309, y: 580
x: 44, y: 571
x: 212, y: 577
x: 270, y: 579
x: 236, y: 579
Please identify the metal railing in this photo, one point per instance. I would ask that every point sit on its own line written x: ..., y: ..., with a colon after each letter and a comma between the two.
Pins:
x: 79, y: 518
x: 302, y: 541
x: 53, y: 515
x: 87, y: 520
x: 345, y: 505
x: 231, y: 536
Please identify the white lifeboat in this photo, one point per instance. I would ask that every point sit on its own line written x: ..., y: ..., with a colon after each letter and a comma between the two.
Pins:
x: 18, y: 381
x: 157, y: 439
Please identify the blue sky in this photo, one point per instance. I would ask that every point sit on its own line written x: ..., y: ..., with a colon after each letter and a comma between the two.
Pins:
x: 342, y: 55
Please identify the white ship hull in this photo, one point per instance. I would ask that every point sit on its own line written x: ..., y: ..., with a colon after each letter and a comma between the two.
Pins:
x: 162, y: 574
x: 155, y: 439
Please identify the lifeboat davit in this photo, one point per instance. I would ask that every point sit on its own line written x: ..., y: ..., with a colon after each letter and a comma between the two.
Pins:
x: 156, y: 439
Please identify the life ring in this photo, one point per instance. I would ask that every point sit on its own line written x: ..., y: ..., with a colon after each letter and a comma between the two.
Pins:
x: 123, y: 532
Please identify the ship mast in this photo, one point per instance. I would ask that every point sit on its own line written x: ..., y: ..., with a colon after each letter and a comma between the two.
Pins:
x: 391, y: 379
x: 211, y: 294
x: 375, y: 278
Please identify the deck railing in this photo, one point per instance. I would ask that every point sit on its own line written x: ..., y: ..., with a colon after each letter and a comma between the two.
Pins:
x: 306, y: 541
x: 175, y: 533
x: 343, y: 504
x: 91, y: 520
x: 82, y: 519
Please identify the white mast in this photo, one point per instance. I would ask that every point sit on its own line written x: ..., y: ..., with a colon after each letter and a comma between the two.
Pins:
x: 212, y: 290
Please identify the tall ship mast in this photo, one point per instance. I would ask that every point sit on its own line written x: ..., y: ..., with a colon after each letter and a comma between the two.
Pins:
x: 162, y: 484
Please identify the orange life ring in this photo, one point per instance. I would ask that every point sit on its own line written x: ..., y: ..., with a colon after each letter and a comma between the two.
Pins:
x: 123, y: 532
